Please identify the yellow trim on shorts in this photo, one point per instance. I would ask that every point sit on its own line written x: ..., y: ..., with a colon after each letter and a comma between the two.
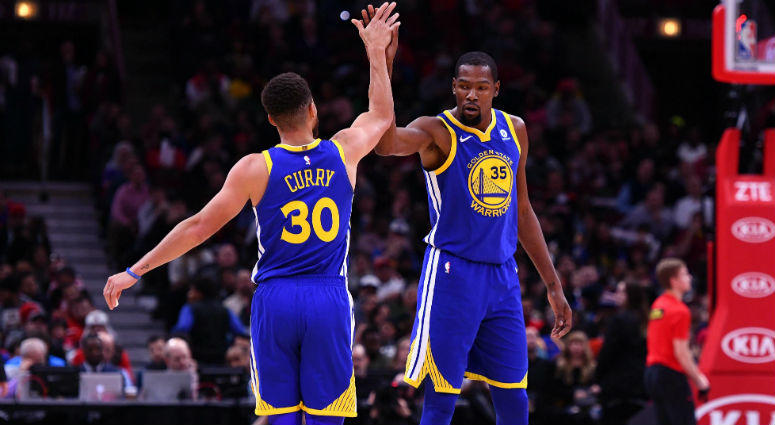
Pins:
x: 268, y: 160
x: 278, y: 411
x: 341, y: 151
x: 345, y: 405
x: 452, y: 150
x: 494, y: 383
x: 301, y: 148
x: 513, y: 131
x: 440, y: 385
x: 483, y: 136
x: 262, y: 407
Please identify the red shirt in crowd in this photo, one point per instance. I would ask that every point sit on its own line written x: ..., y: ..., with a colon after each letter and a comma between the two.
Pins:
x: 669, y: 319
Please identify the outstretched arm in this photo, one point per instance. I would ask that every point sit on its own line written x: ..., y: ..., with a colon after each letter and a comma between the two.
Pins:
x: 358, y: 140
x: 532, y: 239
x: 400, y: 141
x: 242, y: 184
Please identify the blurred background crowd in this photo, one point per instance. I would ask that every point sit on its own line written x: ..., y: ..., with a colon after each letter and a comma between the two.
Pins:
x: 612, y: 197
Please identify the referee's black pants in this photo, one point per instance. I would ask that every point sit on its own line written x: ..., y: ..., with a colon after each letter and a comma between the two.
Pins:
x: 672, y: 397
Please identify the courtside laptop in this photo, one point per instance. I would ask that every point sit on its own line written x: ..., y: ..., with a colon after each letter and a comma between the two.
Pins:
x: 166, y: 386
x: 101, y: 386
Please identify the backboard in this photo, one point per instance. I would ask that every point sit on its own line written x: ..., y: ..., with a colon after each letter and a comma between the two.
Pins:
x: 744, y: 42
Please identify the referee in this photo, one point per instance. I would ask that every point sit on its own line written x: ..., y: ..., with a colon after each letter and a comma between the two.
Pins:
x: 669, y: 360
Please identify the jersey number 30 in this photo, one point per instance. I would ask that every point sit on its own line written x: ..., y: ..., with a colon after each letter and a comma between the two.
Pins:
x: 300, y: 220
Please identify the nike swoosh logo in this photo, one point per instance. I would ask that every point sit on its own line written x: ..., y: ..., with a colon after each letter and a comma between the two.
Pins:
x: 463, y: 139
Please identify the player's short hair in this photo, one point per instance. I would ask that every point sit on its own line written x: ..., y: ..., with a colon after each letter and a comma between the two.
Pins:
x: 478, y: 59
x: 285, y: 97
x: 667, y: 269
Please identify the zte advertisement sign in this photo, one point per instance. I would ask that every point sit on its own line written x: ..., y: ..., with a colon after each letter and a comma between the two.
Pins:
x: 753, y: 191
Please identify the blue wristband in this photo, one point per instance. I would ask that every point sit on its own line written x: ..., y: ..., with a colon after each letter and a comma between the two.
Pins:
x: 131, y: 273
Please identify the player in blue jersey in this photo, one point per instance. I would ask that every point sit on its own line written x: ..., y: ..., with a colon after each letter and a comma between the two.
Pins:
x: 469, y: 320
x: 301, y: 191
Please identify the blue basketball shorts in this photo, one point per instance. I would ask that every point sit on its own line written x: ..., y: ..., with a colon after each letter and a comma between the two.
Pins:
x: 301, y: 346
x: 469, y: 324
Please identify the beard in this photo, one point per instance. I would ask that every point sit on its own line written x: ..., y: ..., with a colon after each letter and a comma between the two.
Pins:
x: 470, y: 122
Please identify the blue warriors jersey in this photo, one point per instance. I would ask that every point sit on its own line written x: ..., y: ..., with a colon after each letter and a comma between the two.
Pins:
x: 473, y: 196
x: 303, y: 219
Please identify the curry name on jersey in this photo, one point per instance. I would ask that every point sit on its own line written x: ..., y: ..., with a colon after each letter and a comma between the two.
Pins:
x: 303, y: 219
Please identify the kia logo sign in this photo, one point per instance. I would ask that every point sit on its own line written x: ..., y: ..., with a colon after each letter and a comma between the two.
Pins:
x: 750, y: 345
x: 753, y: 285
x: 738, y: 409
x: 753, y: 229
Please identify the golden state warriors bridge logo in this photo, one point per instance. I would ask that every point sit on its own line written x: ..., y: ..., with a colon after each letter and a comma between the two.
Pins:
x: 490, y: 181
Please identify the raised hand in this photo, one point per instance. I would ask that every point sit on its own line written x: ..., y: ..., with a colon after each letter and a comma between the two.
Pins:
x: 390, y: 51
x: 378, y: 32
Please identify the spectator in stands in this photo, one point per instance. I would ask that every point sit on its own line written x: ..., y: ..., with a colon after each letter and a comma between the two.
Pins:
x: 95, y: 360
x: 394, y: 404
x: 58, y: 331
x: 207, y: 85
x: 372, y: 342
x: 239, y: 302
x: 567, y: 109
x: 540, y: 371
x: 364, y: 382
x: 96, y: 323
x: 635, y: 190
x: 652, y: 214
x: 226, y: 259
x: 69, y: 146
x: 33, y: 320
x: 238, y: 356
x: 32, y: 352
x: 402, y: 352
x: 10, y: 302
x: 620, y: 363
x: 123, y: 214
x: 29, y: 291
x: 17, y: 363
x: 75, y: 315
x: 391, y: 283
x: 155, y: 346
x: 177, y: 355
x: 117, y: 170
x: 64, y: 287
x: 694, y: 202
x: 692, y: 150
x: 209, y: 325
x: 573, y: 388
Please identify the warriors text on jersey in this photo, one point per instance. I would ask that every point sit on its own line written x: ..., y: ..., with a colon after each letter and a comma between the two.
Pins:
x: 473, y: 195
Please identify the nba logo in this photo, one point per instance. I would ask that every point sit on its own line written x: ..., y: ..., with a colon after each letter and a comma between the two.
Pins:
x: 746, y: 39
x: 446, y: 267
x: 306, y: 159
